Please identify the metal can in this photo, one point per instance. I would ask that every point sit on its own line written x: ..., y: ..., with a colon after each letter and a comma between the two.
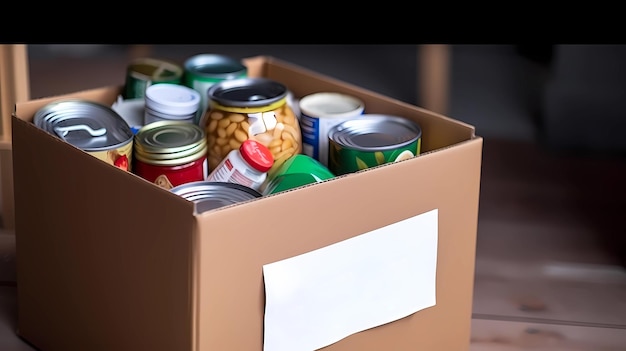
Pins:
x: 143, y: 72
x: 212, y: 195
x: 372, y: 140
x: 204, y: 70
x: 91, y: 127
x: 170, y: 153
x: 297, y: 171
x: 166, y: 101
x: 318, y: 113
x: 250, y: 108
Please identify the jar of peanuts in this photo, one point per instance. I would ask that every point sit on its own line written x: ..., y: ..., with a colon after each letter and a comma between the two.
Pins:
x: 250, y: 108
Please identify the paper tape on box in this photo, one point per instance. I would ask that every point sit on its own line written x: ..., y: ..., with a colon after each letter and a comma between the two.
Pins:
x: 320, y: 297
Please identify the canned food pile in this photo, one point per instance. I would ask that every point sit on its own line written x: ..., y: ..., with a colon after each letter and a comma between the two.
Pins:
x: 209, y: 133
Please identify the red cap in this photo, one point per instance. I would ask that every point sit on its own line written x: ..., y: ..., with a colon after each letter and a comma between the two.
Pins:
x: 257, y: 155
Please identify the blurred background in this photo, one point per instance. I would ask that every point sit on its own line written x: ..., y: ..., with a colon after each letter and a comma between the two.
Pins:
x: 551, y: 246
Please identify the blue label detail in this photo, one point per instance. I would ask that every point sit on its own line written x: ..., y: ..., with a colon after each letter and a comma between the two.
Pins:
x: 310, y: 128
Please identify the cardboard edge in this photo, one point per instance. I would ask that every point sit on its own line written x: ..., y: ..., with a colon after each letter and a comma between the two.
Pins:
x: 266, y: 63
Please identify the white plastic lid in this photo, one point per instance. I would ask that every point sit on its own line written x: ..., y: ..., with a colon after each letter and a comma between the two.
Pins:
x: 330, y: 104
x: 172, y: 99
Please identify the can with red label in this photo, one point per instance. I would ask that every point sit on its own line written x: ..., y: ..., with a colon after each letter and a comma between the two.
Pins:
x: 171, y: 153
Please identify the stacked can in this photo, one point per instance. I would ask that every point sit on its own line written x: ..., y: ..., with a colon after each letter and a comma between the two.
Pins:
x: 204, y: 70
x: 171, y: 153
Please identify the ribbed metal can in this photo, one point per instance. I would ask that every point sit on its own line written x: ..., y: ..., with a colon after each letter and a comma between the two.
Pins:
x: 372, y: 140
x: 212, y: 195
x: 95, y: 128
x: 170, y: 153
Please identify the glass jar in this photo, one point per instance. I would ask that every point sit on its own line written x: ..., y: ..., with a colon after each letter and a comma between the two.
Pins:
x: 250, y: 108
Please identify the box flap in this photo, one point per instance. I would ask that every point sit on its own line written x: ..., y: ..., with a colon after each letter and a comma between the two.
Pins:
x: 438, y: 131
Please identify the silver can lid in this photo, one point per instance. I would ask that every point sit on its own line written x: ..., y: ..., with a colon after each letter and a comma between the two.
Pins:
x: 372, y: 132
x: 247, y: 92
x: 85, y: 124
x: 215, y: 66
x: 212, y: 195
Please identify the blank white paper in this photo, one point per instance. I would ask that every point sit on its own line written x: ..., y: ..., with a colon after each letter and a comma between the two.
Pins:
x: 320, y: 297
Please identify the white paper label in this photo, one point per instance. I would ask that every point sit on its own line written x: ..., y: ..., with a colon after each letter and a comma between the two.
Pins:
x: 320, y: 297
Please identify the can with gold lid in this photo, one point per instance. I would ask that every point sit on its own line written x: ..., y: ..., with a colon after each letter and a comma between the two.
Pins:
x: 143, y: 72
x: 250, y: 108
x: 170, y: 153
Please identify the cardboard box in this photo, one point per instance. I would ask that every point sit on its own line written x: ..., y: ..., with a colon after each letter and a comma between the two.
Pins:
x: 109, y: 261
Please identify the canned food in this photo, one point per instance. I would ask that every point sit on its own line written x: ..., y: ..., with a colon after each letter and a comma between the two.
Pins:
x: 90, y: 126
x: 250, y: 108
x: 318, y: 113
x: 170, y: 153
x: 143, y: 72
x: 372, y: 140
x: 171, y: 102
x: 297, y: 171
x: 204, y: 70
x: 211, y: 195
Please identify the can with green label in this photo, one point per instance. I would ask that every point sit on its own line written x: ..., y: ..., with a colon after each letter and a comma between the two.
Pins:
x: 143, y: 72
x: 204, y: 70
x: 372, y: 140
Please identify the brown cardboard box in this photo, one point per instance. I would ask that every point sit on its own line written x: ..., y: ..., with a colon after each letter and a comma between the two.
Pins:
x: 109, y: 261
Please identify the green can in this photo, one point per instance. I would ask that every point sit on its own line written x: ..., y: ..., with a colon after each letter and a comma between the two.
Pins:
x: 298, y: 170
x: 144, y: 72
x: 204, y: 70
x: 372, y: 140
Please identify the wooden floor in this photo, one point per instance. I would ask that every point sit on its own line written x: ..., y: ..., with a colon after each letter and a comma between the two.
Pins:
x: 549, y: 274
x: 551, y: 239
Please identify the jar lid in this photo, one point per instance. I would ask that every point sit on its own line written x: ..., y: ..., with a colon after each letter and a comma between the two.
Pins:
x: 247, y: 92
x: 257, y: 155
x: 173, y: 99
